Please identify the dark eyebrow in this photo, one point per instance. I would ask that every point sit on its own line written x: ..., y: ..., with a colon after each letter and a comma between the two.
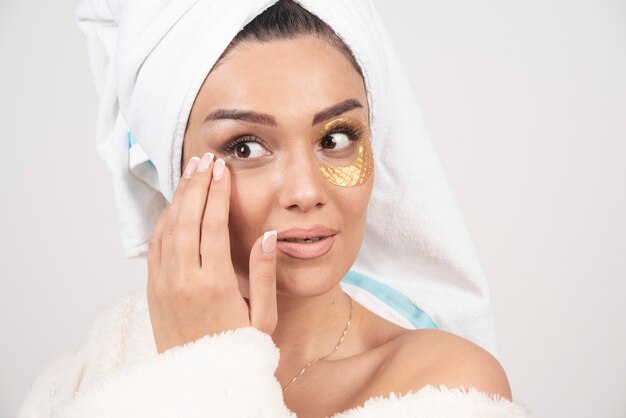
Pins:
x: 264, y: 119
x: 244, y: 115
x: 335, y: 110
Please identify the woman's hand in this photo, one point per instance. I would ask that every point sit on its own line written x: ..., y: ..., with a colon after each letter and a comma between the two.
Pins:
x: 192, y: 286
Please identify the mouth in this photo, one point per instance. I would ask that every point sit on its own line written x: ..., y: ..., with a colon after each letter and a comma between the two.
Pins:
x: 307, y: 248
x: 305, y: 234
x: 306, y: 243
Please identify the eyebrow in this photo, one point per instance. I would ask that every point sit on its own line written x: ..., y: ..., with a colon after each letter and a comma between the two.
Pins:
x: 265, y: 119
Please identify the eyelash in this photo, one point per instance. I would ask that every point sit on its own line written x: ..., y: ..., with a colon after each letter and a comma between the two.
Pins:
x: 352, y: 132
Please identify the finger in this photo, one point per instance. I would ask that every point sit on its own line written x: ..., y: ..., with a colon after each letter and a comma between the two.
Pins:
x: 168, y: 245
x: 263, y: 306
x: 154, y: 246
x: 215, y: 240
x: 189, y: 217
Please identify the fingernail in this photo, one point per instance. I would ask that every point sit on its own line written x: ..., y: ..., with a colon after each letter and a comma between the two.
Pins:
x: 205, y: 162
x: 191, y: 167
x: 218, y: 169
x: 269, y: 243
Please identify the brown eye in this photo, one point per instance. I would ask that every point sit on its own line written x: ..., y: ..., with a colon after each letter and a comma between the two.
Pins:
x: 246, y: 148
x: 243, y: 151
x: 336, y: 140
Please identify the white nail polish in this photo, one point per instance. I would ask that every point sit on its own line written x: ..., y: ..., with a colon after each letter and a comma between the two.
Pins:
x: 269, y: 242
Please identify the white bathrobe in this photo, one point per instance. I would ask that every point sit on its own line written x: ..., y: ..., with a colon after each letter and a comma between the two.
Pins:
x: 119, y: 373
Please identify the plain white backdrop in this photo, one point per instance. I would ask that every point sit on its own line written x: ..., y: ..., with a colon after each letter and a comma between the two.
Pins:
x: 526, y: 104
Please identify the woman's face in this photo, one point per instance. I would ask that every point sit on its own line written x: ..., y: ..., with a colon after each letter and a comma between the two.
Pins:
x: 275, y: 160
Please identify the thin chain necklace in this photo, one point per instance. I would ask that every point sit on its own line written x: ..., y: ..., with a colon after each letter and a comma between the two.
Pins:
x: 310, y: 363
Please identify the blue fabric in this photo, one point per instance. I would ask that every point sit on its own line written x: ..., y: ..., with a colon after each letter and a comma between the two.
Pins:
x: 132, y: 141
x: 392, y: 298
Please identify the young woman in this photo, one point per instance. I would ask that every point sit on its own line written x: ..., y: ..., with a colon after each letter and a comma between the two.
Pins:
x: 244, y: 313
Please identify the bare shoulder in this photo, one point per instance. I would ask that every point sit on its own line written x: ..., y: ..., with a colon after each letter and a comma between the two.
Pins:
x: 435, y: 357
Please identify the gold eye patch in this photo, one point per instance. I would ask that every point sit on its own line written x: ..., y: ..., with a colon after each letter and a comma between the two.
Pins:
x: 357, y: 171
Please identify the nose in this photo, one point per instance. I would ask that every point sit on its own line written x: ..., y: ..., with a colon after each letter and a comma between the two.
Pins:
x: 302, y: 187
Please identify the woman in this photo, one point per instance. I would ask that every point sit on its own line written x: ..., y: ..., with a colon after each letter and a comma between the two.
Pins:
x: 244, y: 314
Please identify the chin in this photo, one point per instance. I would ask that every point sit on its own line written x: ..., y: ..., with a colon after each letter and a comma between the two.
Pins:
x: 306, y: 278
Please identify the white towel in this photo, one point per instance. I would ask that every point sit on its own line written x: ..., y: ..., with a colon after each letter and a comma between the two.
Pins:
x: 149, y: 59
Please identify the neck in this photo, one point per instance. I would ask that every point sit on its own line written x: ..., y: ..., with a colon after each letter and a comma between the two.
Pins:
x: 310, y: 328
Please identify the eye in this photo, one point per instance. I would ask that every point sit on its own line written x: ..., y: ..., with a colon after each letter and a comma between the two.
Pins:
x: 336, y: 141
x: 246, y: 148
x: 341, y: 137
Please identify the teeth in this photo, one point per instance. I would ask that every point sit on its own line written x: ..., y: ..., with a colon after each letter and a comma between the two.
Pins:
x: 305, y: 241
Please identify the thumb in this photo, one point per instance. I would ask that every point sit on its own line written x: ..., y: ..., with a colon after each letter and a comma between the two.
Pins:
x: 263, y: 308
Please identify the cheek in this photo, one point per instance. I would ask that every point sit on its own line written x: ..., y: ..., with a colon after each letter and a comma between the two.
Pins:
x: 357, y: 173
x: 352, y: 203
x: 250, y: 203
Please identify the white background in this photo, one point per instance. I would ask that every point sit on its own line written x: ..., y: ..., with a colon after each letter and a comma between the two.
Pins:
x: 526, y: 104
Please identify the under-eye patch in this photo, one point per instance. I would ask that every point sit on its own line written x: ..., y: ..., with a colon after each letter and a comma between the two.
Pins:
x: 354, y: 167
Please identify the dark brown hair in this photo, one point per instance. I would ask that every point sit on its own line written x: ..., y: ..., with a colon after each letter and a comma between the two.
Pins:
x: 286, y: 19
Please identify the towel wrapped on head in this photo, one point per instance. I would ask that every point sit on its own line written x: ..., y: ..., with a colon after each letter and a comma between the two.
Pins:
x: 416, y: 267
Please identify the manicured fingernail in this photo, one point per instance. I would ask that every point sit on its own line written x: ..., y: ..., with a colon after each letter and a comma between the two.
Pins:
x: 269, y: 243
x: 191, y: 167
x: 218, y: 169
x: 205, y: 162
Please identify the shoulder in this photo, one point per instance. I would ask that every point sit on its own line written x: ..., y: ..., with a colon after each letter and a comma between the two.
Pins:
x: 436, y: 357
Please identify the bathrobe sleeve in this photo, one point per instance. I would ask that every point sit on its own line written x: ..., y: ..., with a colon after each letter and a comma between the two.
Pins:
x: 225, y: 375
x: 58, y: 379
x: 230, y: 374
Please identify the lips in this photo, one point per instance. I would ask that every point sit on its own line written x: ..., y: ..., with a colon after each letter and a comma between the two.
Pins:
x: 301, y: 233
x: 303, y: 242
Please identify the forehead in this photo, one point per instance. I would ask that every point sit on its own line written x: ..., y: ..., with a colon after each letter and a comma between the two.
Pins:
x: 287, y: 78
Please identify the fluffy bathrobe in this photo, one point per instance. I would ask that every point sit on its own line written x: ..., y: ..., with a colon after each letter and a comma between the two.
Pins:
x: 119, y: 373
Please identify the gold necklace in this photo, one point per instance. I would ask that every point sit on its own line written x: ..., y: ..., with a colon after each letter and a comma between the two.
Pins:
x: 310, y: 363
